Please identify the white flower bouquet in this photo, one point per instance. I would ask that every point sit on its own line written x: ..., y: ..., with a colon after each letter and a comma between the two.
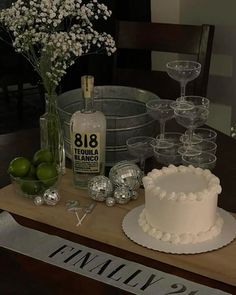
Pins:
x: 52, y: 34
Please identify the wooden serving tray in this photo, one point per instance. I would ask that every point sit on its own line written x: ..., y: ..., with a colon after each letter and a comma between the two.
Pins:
x: 104, y: 225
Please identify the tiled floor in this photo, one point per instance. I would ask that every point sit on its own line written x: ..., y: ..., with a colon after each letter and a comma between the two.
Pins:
x: 32, y: 108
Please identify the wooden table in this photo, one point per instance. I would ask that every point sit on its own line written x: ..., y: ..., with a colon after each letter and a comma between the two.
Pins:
x: 24, y: 275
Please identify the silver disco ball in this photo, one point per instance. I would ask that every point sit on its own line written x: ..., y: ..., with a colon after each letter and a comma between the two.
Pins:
x: 99, y: 188
x: 51, y: 197
x: 126, y: 173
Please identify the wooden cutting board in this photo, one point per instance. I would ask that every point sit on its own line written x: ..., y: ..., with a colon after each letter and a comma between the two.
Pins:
x: 104, y: 225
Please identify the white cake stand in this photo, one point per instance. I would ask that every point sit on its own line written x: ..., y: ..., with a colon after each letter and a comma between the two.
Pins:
x: 136, y: 234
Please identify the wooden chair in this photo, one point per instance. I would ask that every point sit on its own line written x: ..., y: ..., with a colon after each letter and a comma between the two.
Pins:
x: 193, y: 41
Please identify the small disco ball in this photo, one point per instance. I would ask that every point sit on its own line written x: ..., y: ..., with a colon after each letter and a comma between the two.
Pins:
x: 126, y: 173
x: 122, y: 195
x: 38, y: 200
x: 110, y: 202
x: 99, y: 188
x: 51, y: 197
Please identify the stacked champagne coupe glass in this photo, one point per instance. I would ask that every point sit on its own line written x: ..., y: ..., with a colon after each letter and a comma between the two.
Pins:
x: 140, y: 147
x: 183, y: 71
x: 197, y: 145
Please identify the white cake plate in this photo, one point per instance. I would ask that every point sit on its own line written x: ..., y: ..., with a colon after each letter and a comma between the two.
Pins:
x: 136, y: 234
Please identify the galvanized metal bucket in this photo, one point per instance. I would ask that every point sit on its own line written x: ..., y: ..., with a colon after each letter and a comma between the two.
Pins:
x: 126, y: 115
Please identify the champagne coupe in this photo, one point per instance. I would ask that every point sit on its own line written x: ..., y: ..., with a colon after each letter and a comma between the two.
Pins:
x: 161, y: 110
x: 140, y: 147
x: 183, y: 71
x: 206, y: 146
x: 169, y: 155
x: 206, y: 134
x: 193, y: 100
x: 205, y: 160
x: 191, y: 119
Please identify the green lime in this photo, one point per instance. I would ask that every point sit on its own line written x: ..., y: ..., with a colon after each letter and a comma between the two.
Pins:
x: 41, y: 156
x: 47, y: 173
x: 19, y: 167
x: 30, y: 187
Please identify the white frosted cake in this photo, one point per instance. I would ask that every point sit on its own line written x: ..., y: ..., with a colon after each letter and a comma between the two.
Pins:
x: 181, y: 205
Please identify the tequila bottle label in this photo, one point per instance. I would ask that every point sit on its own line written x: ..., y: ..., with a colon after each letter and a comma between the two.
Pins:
x: 86, y: 152
x: 88, y: 138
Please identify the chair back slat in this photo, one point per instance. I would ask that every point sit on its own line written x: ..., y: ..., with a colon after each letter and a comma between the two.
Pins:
x: 159, y: 37
x: 193, y: 40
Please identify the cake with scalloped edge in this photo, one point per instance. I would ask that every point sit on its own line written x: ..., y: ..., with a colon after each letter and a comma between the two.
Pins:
x: 181, y: 205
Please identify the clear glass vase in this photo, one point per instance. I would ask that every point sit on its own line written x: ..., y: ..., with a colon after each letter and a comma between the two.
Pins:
x: 51, y: 135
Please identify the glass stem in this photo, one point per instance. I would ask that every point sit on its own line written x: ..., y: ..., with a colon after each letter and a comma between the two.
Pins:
x: 182, y: 89
x: 142, y: 164
x: 162, y: 130
x: 190, y: 136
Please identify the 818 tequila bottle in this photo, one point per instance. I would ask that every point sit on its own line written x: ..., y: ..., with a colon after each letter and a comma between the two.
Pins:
x: 88, y: 137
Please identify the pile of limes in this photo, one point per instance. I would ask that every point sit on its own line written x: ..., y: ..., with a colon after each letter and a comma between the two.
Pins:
x: 34, y: 176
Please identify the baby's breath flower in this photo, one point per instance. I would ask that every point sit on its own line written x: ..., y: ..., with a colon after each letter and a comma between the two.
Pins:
x: 40, y: 31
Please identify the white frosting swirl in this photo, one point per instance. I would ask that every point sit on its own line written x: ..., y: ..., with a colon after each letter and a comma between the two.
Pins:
x: 183, y: 238
x: 213, y: 183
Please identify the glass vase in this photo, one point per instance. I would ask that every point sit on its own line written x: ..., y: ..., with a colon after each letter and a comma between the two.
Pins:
x: 51, y: 135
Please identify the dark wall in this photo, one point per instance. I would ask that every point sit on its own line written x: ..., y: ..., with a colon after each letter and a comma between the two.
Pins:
x: 138, y: 10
